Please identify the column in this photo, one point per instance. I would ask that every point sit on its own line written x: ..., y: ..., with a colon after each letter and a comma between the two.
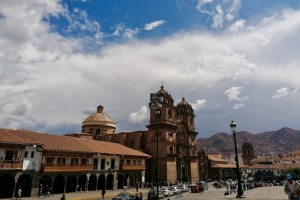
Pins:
x: 97, y: 180
x: 14, y: 190
x: 65, y: 185
x: 77, y: 180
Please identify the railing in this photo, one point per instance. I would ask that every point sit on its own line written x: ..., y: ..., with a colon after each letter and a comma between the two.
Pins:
x: 132, y: 167
x: 11, y: 164
x: 65, y: 168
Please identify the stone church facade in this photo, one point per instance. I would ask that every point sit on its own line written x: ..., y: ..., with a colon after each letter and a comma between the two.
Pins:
x: 176, y: 139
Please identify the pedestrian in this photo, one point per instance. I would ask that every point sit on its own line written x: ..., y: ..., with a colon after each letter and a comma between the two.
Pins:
x: 41, y: 190
x: 125, y: 188
x: 19, y: 194
x: 137, y: 196
x: 47, y: 191
x: 291, y: 188
x: 51, y: 191
x: 137, y: 187
x: 141, y: 196
x: 103, y: 192
x: 63, y: 197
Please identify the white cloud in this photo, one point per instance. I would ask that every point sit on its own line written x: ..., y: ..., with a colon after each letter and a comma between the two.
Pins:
x: 199, y: 104
x: 153, y: 25
x: 219, y: 10
x: 237, y: 106
x: 281, y: 93
x: 234, y: 93
x: 51, y: 70
x: 139, y: 116
x: 237, y: 25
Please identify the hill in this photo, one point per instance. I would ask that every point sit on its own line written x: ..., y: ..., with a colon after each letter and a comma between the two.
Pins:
x: 280, y: 142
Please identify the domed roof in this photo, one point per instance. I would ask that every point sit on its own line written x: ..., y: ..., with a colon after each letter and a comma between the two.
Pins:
x: 183, y: 102
x: 247, y: 145
x: 99, y: 118
x: 162, y: 91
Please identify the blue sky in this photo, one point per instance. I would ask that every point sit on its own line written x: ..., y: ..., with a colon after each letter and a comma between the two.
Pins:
x: 231, y: 59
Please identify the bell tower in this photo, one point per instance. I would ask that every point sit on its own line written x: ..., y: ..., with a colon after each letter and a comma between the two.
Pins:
x: 247, y: 152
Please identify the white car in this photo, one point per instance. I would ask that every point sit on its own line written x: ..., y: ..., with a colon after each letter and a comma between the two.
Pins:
x: 167, y: 192
x: 184, y: 188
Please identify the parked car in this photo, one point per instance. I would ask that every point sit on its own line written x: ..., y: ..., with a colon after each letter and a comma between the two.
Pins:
x: 175, y: 189
x: 184, y: 188
x: 167, y: 192
x: 194, y: 189
x: 124, y: 196
x: 152, y: 194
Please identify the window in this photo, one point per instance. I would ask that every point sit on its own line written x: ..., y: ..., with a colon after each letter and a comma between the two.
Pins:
x: 112, y: 163
x: 134, y: 162
x: 10, y: 154
x: 102, y: 163
x: 83, y: 161
x: 171, y: 149
x: 32, y: 154
x: 98, y: 131
x: 26, y: 154
x: 61, y: 161
x: 74, y: 161
x: 49, y: 160
x: 128, y: 162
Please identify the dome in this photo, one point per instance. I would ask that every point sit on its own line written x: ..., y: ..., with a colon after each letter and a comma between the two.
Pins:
x: 99, y: 118
x: 162, y: 91
x: 183, y: 102
x: 247, y: 145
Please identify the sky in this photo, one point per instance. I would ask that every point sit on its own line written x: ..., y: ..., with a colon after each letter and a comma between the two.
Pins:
x: 230, y: 59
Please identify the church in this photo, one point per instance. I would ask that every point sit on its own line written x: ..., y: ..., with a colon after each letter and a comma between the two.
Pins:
x: 176, y: 144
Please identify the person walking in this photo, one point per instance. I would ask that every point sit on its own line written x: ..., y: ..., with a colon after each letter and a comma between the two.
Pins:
x: 41, y: 190
x: 103, y: 192
x: 51, y: 191
x: 141, y: 196
x: 19, y: 194
x: 291, y: 188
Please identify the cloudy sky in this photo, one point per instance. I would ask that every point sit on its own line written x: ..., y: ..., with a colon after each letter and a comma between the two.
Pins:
x: 231, y: 59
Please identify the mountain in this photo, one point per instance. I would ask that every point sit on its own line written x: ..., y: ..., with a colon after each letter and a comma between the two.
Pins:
x: 279, y: 142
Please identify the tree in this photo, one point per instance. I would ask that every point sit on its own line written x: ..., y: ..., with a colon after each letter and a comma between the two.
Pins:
x: 294, y: 172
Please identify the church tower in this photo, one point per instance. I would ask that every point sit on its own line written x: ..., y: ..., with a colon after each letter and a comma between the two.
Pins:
x: 176, y: 140
x: 247, y: 152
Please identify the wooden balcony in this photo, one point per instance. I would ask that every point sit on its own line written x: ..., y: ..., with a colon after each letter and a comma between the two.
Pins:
x: 132, y: 167
x: 65, y: 168
x: 11, y: 164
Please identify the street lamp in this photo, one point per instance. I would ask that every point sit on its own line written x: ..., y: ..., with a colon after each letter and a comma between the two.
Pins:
x: 240, y: 193
x: 155, y: 104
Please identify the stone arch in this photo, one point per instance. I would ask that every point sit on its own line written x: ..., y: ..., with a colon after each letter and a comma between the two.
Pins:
x: 110, y: 182
x: 25, y: 183
x: 71, y: 183
x: 92, y: 182
x: 101, y: 182
x: 46, y: 181
x: 81, y: 182
x: 7, y: 183
x: 59, y: 184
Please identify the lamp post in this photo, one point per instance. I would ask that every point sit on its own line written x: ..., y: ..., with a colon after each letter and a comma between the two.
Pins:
x: 155, y: 104
x: 240, y: 193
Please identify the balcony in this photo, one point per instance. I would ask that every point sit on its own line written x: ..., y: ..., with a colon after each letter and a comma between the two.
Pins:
x: 132, y: 167
x: 65, y: 168
x: 11, y: 164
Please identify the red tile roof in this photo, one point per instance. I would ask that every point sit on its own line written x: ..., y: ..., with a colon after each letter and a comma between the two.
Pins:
x: 53, y: 142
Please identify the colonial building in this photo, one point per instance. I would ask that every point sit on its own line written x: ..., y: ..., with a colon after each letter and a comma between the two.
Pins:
x: 176, y: 138
x: 67, y: 164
